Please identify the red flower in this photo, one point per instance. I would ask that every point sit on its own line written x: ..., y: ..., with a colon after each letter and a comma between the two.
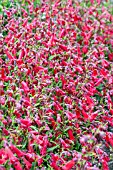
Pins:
x: 85, y: 49
x: 22, y: 54
x: 63, y: 47
x: 16, y: 150
x: 95, y: 73
x: 68, y: 165
x: 17, y: 166
x: 26, y: 122
x: 9, y: 55
x: 85, y: 115
x: 104, y: 72
x: 105, y: 165
x: 70, y: 133
x: 54, y: 166
x: 27, y: 163
x: 25, y: 22
x: 2, y: 161
x: 10, y: 155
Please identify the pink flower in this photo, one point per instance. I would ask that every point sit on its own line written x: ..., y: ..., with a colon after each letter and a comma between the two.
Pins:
x: 25, y: 86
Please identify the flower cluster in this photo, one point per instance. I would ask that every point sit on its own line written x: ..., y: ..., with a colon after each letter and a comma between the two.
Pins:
x: 56, y: 85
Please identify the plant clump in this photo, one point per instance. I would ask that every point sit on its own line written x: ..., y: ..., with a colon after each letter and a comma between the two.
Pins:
x: 56, y: 85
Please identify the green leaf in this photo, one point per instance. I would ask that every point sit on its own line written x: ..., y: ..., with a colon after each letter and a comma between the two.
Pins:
x: 65, y: 130
x: 53, y: 148
x: 37, y: 2
x: 24, y: 144
x: 100, y: 87
x: 5, y: 33
x: 98, y: 98
x: 1, y: 9
x: 6, y: 3
x: 37, y: 104
x: 34, y: 128
x: 59, y: 84
x: 52, y: 57
x: 33, y: 165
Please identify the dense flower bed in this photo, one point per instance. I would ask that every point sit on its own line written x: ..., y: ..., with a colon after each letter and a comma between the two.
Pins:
x: 56, y: 85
